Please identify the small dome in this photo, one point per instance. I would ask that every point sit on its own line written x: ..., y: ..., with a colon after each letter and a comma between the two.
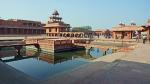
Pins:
x: 55, y: 12
x: 121, y: 24
x: 133, y: 23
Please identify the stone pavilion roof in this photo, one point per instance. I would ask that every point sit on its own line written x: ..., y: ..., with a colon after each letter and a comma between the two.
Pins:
x: 128, y: 28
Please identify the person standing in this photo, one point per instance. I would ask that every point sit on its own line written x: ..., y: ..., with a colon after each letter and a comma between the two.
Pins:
x: 144, y: 37
x: 137, y: 36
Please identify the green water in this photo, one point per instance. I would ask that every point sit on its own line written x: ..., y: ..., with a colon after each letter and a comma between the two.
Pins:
x: 43, y: 65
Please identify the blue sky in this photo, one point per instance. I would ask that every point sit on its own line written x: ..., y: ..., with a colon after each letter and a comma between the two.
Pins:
x: 96, y: 13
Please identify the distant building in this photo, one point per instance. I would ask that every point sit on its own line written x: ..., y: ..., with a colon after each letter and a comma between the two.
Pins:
x: 20, y: 27
x: 55, y: 27
x: 123, y: 31
x: 147, y: 29
x: 107, y: 33
x: 100, y: 32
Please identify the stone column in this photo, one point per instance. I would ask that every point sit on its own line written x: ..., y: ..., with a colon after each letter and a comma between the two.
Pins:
x: 114, y: 35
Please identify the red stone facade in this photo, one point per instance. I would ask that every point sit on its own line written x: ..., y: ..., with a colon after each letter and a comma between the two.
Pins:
x: 123, y: 31
x: 55, y: 25
x: 100, y: 32
x: 57, y: 45
x: 20, y: 27
x: 103, y: 32
x: 128, y: 31
x: 147, y: 30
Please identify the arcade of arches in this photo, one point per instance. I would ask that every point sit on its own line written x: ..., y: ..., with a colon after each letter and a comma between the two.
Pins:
x: 72, y: 34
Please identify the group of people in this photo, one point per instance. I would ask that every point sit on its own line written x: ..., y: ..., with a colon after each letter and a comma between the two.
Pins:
x: 142, y: 36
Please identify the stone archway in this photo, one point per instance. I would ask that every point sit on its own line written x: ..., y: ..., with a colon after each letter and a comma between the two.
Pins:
x: 60, y: 35
x: 68, y: 35
x: 64, y: 35
x: 72, y: 35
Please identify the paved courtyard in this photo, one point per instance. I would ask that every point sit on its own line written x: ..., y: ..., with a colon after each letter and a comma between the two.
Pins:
x: 129, y: 68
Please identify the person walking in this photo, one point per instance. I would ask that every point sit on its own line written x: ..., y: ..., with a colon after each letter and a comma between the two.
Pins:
x: 137, y: 38
x: 144, y: 37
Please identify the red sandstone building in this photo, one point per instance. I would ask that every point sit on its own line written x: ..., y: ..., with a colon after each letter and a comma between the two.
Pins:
x: 100, y: 32
x: 20, y: 27
x: 123, y: 31
x: 147, y: 29
x: 55, y: 27
x: 103, y: 32
x: 126, y: 31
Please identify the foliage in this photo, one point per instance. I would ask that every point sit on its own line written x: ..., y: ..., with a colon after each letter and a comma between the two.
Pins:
x: 82, y: 29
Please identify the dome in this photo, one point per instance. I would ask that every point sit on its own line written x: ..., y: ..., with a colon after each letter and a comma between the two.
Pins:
x: 121, y: 24
x: 55, y: 12
x: 133, y: 23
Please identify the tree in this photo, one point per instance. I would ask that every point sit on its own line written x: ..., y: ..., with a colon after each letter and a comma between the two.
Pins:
x: 82, y: 29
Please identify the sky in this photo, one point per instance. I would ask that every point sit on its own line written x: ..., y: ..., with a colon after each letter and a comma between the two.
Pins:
x: 95, y: 13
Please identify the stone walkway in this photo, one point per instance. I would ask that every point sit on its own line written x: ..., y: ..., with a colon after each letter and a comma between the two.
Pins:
x: 124, y: 68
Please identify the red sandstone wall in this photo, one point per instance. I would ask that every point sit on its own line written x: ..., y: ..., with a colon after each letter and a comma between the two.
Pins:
x: 53, y: 45
x: 20, y: 27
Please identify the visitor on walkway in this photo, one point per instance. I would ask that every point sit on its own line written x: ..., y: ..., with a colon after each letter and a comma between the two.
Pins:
x: 144, y: 37
x: 137, y: 37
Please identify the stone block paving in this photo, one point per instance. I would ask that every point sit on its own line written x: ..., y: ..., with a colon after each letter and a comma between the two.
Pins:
x: 130, y: 68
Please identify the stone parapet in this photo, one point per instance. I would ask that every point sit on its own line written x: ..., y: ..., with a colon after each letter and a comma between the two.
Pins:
x: 55, y: 45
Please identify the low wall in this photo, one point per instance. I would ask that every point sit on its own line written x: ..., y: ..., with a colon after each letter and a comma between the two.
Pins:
x: 55, y: 45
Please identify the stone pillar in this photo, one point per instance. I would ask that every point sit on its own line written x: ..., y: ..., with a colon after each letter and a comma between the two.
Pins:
x: 130, y: 35
x: 38, y: 47
x: 148, y: 36
x: 23, y: 31
x: 114, y: 35
x: 17, y: 31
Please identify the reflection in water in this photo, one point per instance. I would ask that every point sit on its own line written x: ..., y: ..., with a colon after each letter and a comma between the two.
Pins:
x: 42, y: 65
x: 109, y: 51
x: 96, y: 52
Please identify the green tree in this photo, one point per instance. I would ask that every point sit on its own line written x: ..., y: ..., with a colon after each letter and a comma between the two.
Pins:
x: 82, y: 29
